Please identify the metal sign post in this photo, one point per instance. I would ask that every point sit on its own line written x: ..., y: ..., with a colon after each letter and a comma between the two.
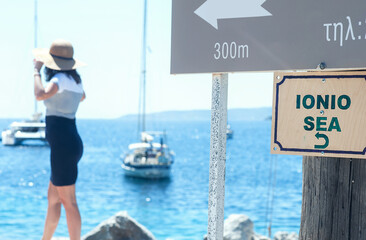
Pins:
x: 216, y: 193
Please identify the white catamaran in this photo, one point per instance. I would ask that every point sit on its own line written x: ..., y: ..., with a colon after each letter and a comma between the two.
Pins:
x: 32, y: 129
x: 151, y: 157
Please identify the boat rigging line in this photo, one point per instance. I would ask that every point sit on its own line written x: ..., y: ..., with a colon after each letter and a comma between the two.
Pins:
x: 142, y: 100
x: 271, y: 192
x: 35, y: 42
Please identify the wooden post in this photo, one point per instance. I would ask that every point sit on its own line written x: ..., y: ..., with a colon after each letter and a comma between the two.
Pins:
x: 334, y: 199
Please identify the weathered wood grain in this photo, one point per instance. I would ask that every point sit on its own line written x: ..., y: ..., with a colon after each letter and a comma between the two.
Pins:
x: 334, y: 199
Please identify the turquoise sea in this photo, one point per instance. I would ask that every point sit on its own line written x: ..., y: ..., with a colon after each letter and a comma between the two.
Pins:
x: 172, y: 209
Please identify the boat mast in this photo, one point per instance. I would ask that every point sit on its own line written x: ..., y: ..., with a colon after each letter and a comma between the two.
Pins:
x: 142, y: 110
x: 35, y: 42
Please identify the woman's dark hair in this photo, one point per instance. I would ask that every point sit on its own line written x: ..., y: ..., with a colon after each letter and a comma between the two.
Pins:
x: 51, y: 72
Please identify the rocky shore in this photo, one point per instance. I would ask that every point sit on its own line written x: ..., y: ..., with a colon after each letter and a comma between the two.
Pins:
x: 122, y: 227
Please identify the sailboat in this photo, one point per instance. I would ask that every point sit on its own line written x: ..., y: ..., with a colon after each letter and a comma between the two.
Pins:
x: 33, y: 128
x: 151, y: 157
x: 229, y: 132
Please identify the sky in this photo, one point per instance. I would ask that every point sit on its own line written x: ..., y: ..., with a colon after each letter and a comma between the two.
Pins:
x: 107, y: 35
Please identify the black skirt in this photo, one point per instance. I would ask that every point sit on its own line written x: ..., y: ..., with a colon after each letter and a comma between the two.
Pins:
x: 66, y: 149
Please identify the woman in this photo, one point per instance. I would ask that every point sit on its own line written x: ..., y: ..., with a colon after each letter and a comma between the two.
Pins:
x: 61, y: 96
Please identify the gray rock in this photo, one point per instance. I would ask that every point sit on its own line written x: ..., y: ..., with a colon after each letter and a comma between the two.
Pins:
x: 285, y: 236
x: 259, y: 237
x: 240, y: 227
x: 119, y: 227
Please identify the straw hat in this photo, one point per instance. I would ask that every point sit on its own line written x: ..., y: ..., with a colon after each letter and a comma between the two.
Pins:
x: 60, y: 56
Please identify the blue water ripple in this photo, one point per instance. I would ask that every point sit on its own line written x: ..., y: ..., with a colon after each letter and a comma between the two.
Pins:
x: 175, y: 208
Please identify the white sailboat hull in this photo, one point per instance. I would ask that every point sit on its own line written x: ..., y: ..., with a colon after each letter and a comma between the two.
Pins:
x: 20, y: 131
x: 7, y: 138
x: 148, y: 160
x: 152, y: 172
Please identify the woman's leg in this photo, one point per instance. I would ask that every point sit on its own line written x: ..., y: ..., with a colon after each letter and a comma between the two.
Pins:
x: 68, y: 200
x: 53, y: 212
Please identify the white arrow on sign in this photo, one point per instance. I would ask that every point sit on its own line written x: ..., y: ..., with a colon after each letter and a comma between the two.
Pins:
x: 212, y: 10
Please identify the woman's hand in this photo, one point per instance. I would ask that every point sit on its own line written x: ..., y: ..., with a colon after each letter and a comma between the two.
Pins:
x: 37, y: 64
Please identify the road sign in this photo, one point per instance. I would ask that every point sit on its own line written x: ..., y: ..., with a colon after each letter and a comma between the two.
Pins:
x: 258, y: 35
x: 319, y: 114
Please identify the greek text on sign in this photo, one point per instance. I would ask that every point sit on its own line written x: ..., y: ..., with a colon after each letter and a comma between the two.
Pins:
x: 319, y: 114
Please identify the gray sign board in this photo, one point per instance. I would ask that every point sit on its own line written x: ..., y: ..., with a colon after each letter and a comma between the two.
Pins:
x: 267, y: 35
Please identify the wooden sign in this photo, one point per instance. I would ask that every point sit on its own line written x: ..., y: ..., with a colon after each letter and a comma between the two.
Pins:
x: 319, y: 114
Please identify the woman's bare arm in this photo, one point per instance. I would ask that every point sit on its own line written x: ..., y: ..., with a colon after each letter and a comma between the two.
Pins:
x: 83, y: 97
x: 39, y: 91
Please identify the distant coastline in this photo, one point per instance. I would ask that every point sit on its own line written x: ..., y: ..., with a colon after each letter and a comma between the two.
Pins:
x: 236, y: 114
